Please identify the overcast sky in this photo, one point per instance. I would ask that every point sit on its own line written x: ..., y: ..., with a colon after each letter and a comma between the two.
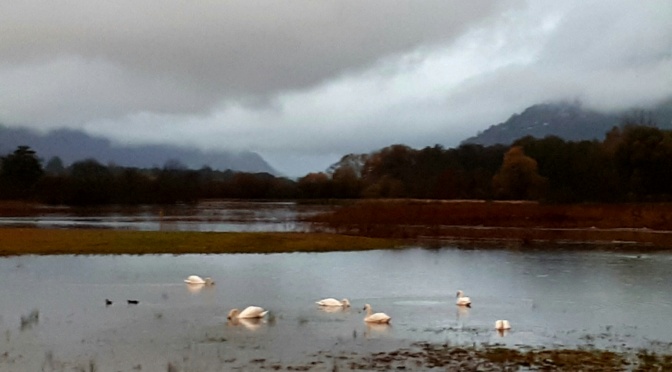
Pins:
x: 304, y: 82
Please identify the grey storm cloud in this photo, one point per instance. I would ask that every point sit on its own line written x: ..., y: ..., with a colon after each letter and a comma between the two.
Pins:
x: 305, y: 82
x: 185, y: 56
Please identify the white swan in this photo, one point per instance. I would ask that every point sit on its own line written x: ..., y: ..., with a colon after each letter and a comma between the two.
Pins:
x: 501, y: 325
x: 249, y: 312
x: 375, y: 318
x: 462, y: 300
x: 195, y: 279
x: 331, y: 302
x: 249, y: 323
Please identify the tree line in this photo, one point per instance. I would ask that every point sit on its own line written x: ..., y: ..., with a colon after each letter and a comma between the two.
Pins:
x: 633, y: 163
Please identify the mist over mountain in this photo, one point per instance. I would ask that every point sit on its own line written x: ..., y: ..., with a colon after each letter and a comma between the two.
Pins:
x: 73, y: 145
x: 570, y: 121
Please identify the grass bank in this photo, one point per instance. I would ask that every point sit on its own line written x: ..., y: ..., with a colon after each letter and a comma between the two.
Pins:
x: 23, y: 241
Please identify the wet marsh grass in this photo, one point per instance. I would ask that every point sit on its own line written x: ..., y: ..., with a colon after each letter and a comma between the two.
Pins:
x: 524, y: 222
x: 501, y: 213
x: 23, y: 241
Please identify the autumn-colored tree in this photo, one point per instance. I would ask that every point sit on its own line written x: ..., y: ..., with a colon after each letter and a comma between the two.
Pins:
x: 396, y: 161
x: 518, y: 177
x: 314, y: 185
x: 345, y: 183
x: 386, y: 187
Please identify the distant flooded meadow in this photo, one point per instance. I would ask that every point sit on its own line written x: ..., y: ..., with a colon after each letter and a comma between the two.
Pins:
x: 216, y: 216
x: 55, y: 313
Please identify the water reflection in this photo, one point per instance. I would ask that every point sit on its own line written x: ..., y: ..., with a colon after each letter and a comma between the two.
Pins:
x: 502, y: 332
x: 333, y: 309
x: 374, y: 330
x: 217, y: 216
x: 195, y: 288
x: 462, y: 313
x: 251, y: 324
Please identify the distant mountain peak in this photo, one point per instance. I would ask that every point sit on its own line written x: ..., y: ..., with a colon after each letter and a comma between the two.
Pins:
x: 568, y: 120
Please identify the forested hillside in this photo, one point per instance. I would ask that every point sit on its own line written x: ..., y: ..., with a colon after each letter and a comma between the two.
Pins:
x: 632, y: 163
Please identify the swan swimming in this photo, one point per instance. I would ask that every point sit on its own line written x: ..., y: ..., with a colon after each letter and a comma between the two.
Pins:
x: 249, y: 312
x: 462, y: 300
x: 501, y: 325
x: 376, y: 317
x: 330, y: 302
x: 195, y: 279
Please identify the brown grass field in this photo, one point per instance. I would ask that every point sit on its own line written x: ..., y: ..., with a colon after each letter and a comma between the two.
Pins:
x: 22, y: 241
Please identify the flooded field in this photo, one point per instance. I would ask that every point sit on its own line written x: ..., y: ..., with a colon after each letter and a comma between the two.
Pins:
x: 72, y: 313
x: 54, y: 314
x: 218, y: 216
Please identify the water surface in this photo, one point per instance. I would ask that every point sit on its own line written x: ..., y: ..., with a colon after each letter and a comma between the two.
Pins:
x: 214, y: 215
x: 53, y: 311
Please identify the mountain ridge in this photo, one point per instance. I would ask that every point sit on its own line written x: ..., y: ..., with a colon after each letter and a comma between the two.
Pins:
x: 570, y: 121
x: 74, y: 145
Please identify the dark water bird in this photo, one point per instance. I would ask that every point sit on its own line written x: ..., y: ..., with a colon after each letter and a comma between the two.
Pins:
x: 108, y: 302
x: 133, y: 302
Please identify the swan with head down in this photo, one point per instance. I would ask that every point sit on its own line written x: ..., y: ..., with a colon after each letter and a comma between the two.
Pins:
x: 375, y: 317
x: 462, y: 300
x: 195, y: 279
x: 248, y: 313
x: 332, y: 302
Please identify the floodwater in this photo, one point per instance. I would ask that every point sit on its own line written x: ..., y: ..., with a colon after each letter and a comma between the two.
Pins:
x: 54, y: 315
x: 215, y: 215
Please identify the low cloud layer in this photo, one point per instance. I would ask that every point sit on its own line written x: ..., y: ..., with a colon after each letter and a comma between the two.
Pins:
x: 303, y: 82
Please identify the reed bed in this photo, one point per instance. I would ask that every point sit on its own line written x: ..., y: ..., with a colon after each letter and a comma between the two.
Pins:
x: 526, y: 222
